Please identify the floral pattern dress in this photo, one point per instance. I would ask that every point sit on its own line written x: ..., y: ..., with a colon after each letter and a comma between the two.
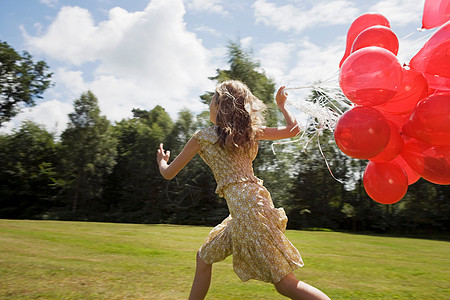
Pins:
x: 254, y: 231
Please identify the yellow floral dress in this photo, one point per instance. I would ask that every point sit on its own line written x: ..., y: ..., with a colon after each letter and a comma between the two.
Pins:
x: 254, y: 231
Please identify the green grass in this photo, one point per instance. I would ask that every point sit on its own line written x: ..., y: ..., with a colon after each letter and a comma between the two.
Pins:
x: 76, y: 260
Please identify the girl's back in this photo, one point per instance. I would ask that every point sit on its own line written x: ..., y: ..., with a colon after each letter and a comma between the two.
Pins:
x: 228, y: 166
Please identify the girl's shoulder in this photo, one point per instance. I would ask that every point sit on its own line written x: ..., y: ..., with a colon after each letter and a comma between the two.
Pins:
x: 208, y: 134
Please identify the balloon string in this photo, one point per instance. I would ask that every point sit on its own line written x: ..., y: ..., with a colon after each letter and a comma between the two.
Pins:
x: 326, y: 161
x: 288, y: 142
x: 294, y: 141
x: 420, y: 39
x: 309, y: 141
x: 408, y: 35
x: 321, y: 116
x: 332, y: 77
x: 298, y: 88
x: 304, y: 147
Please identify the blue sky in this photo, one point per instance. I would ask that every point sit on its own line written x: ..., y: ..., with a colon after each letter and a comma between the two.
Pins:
x: 142, y: 53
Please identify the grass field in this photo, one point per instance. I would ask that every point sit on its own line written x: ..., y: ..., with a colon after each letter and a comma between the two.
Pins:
x: 76, y: 260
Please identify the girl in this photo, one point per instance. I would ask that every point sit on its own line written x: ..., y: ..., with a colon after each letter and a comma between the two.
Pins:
x: 254, y: 231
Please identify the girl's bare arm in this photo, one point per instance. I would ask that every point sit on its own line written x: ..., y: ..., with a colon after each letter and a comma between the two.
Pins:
x: 169, y: 171
x: 283, y: 132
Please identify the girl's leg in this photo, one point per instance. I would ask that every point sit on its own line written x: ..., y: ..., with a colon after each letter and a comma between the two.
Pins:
x: 291, y: 287
x: 202, y: 280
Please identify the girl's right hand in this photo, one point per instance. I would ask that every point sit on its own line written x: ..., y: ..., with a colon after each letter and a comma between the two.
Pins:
x: 162, y: 155
x: 169, y: 171
x: 281, y: 97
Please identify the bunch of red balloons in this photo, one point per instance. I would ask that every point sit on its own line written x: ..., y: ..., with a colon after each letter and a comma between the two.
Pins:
x: 401, y: 118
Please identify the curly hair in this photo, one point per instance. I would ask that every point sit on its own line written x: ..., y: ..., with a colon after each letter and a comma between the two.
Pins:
x: 239, y: 115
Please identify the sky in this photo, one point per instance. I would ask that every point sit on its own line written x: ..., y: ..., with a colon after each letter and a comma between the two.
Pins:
x: 143, y: 53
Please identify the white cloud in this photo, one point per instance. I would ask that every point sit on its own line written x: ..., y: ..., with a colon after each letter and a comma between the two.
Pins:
x: 214, y: 6
x: 400, y: 12
x: 206, y: 29
x: 316, y: 62
x: 298, y: 18
x: 50, y: 3
x: 409, y: 47
x: 52, y: 114
x: 300, y: 63
x: 246, y: 42
x: 74, y: 38
x: 140, y: 59
x: 72, y: 83
x: 274, y: 59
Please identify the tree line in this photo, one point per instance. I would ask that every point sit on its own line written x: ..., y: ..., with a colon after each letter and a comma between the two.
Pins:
x: 100, y: 171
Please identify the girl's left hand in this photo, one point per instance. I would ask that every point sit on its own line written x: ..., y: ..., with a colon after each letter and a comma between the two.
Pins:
x: 281, y: 97
x: 162, y: 155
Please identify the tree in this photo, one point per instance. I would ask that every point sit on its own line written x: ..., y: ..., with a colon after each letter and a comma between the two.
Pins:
x: 155, y: 117
x: 426, y: 208
x: 27, y: 172
x: 245, y: 69
x: 134, y: 188
x: 190, y: 197
x: 21, y: 81
x: 88, y: 152
x: 316, y: 198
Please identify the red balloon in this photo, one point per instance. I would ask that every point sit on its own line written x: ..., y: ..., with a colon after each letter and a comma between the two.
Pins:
x: 380, y: 36
x: 397, y: 119
x: 362, y: 132
x: 370, y: 76
x: 413, y: 88
x: 385, y: 183
x: 433, y: 60
x: 434, y: 91
x: 435, y: 13
x: 430, y: 121
x: 359, y: 24
x: 393, y: 148
x: 431, y: 162
x: 410, y: 173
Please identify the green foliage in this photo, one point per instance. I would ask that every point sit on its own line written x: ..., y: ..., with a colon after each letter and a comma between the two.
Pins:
x: 88, y: 152
x: 135, y: 190
x: 135, y: 180
x: 307, y: 207
x: 155, y: 117
x: 21, y: 80
x: 182, y: 131
x: 190, y: 198
x: 27, y: 172
x: 425, y: 207
x: 245, y: 69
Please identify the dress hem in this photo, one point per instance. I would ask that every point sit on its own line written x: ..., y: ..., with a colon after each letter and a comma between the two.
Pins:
x: 295, y: 267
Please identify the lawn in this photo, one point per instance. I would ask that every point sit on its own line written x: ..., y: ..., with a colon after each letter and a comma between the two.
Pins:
x: 82, y: 260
